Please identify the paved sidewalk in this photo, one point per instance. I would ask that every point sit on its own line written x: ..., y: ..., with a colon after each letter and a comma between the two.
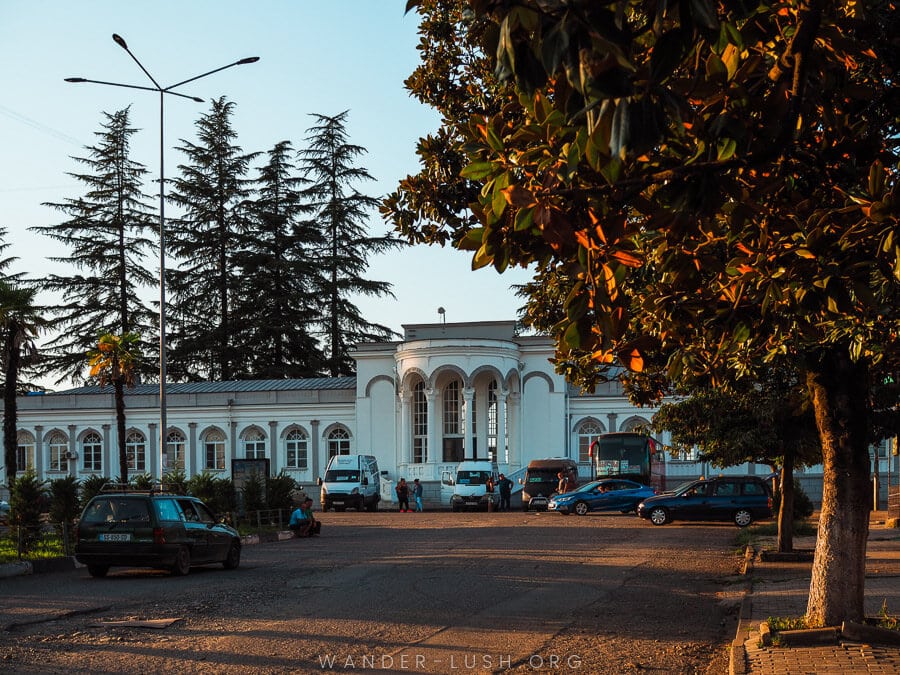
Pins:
x: 781, y: 589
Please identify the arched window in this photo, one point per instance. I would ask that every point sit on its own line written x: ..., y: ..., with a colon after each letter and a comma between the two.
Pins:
x: 92, y: 452
x: 254, y: 444
x: 453, y: 409
x: 295, y: 448
x: 338, y: 442
x: 174, y: 459
x: 58, y: 445
x: 420, y: 424
x: 24, y: 451
x: 214, y: 450
x: 136, y: 451
x: 587, y: 434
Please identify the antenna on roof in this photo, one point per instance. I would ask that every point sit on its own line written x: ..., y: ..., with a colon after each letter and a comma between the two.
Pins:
x: 443, y: 314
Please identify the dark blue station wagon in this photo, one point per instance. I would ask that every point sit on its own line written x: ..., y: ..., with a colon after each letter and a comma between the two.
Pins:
x: 740, y: 499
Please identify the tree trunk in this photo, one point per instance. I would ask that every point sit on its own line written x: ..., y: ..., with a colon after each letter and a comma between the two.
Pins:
x: 839, y: 392
x: 119, y: 388
x: 11, y: 350
x: 786, y: 509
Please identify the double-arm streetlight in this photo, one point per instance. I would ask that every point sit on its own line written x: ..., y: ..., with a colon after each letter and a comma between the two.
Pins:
x: 162, y: 212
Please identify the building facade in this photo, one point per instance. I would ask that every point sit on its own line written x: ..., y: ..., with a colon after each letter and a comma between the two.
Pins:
x: 444, y: 393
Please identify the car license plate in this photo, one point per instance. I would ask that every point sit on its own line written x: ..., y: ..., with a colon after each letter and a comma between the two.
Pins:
x: 338, y: 503
x: 115, y: 537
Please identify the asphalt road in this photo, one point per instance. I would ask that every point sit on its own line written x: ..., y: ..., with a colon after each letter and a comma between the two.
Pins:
x: 391, y: 592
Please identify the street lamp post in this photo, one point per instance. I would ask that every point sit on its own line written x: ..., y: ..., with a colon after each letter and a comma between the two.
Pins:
x: 162, y: 211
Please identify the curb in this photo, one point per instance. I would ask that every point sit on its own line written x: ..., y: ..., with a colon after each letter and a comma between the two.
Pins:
x: 737, y: 655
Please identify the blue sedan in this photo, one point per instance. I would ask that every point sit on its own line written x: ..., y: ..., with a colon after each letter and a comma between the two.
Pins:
x: 610, y: 494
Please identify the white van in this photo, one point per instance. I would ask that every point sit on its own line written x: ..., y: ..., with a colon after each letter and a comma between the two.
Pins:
x: 465, y: 488
x: 351, y: 480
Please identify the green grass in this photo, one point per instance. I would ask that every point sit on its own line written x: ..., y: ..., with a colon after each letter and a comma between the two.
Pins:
x: 49, y: 547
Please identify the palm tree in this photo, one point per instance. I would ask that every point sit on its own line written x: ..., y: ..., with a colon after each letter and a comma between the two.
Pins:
x: 114, y: 362
x: 19, y: 325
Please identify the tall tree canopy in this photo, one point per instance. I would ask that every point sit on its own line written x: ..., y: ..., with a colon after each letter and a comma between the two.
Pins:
x: 211, y: 189
x: 328, y: 162
x: 713, y: 186
x: 282, y: 280
x: 106, y: 234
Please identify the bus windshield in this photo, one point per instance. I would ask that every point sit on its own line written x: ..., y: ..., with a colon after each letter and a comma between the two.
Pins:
x: 623, y: 455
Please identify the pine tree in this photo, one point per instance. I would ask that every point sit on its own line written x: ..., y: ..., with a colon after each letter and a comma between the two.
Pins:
x: 281, y: 278
x: 204, y: 285
x: 106, y: 232
x: 341, y: 213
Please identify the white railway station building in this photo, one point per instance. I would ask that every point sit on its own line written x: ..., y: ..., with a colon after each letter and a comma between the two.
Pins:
x: 441, y: 394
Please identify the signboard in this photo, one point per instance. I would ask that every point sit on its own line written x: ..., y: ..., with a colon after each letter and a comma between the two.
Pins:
x: 242, y: 469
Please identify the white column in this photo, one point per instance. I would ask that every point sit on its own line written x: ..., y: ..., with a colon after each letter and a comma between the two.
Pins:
x: 502, y: 395
x: 468, y: 395
x: 433, y: 451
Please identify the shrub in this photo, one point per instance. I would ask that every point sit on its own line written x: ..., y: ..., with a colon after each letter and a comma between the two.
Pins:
x: 254, y: 492
x: 217, y: 493
x: 803, y: 506
x: 142, y: 481
x: 91, y: 486
x: 64, y: 500
x: 26, y: 502
x: 176, y: 482
x: 279, y: 492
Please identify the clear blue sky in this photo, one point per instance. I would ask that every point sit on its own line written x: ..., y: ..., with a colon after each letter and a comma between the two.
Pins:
x: 315, y: 57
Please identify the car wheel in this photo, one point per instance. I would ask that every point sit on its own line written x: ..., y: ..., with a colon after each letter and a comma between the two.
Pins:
x: 454, y: 508
x: 372, y: 507
x: 234, y: 557
x: 581, y: 508
x: 98, y: 571
x: 659, y: 516
x: 742, y: 518
x: 182, y: 562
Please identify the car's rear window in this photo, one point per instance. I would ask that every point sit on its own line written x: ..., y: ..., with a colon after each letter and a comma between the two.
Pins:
x: 754, y: 488
x: 116, y: 509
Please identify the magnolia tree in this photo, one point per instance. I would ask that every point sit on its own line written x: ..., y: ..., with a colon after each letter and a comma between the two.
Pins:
x: 711, y: 187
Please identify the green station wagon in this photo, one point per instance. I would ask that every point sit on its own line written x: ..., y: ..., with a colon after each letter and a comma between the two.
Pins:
x: 152, y: 529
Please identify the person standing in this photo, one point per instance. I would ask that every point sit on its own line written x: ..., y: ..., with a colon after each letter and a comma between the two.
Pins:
x: 563, y: 485
x: 505, y: 485
x: 402, y: 491
x: 417, y: 495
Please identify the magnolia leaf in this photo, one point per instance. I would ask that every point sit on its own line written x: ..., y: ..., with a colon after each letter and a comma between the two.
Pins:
x: 726, y: 148
x: 472, y: 240
x: 572, y: 336
x: 518, y: 196
x: 632, y: 360
x: 482, y: 258
x: 626, y: 258
x: 524, y: 220
x: 477, y: 170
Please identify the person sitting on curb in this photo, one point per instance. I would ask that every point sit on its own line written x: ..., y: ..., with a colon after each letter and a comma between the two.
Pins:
x: 303, y: 523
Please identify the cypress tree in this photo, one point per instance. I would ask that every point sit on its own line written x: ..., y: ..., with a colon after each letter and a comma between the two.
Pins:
x: 204, y: 285
x: 341, y: 213
x: 106, y: 232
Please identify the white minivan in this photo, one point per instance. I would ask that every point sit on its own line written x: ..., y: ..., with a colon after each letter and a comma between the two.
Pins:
x: 466, y: 487
x: 351, y: 481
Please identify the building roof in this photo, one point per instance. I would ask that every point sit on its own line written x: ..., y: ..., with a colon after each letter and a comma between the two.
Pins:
x: 308, y: 384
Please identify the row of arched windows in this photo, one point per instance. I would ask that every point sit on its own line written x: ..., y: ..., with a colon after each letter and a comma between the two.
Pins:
x: 253, y: 444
